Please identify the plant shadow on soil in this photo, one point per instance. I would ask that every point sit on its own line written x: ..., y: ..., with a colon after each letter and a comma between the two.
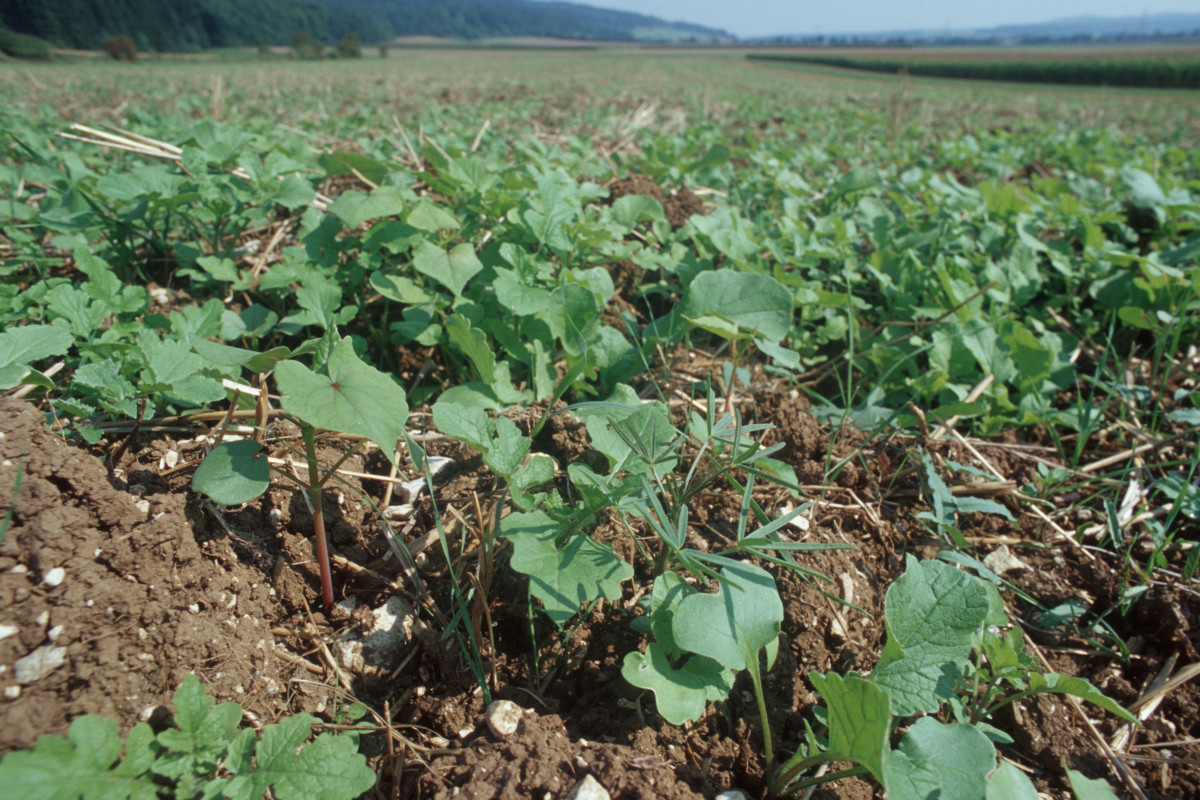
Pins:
x: 157, y: 585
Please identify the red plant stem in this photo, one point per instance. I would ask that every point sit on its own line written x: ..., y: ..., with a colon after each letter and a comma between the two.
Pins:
x: 314, y: 494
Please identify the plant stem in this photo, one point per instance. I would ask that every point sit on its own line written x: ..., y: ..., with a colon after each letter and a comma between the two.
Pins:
x: 829, y: 777
x: 314, y: 492
x: 752, y: 666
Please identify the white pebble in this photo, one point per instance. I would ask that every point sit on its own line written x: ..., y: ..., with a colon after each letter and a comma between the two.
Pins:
x: 11, y: 692
x: 588, y: 789
x: 38, y: 664
x: 503, y: 717
x: 54, y: 577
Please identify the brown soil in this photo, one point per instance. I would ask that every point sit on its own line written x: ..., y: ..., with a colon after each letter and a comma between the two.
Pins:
x: 158, y: 584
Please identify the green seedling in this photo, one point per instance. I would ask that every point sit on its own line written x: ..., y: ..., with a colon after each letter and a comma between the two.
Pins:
x: 945, y: 655
x: 203, y: 754
x: 346, y: 396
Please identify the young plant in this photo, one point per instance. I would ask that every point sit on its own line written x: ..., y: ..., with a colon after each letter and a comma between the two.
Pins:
x: 203, y: 754
x: 346, y: 396
x: 945, y: 657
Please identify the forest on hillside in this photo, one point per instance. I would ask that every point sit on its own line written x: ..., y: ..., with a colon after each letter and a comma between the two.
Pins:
x: 190, y: 25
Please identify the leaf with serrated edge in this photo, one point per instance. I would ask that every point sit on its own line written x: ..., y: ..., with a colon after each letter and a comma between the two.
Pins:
x: 329, y: 767
x: 79, y: 766
x: 353, y: 397
x: 562, y: 578
x: 932, y: 612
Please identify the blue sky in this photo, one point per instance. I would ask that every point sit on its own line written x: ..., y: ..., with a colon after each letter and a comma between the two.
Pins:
x: 766, y: 17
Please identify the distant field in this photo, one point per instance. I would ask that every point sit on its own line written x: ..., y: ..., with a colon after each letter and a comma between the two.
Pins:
x: 1165, y: 67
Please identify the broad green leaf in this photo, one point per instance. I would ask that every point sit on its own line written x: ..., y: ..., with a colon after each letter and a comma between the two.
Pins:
x: 233, y: 473
x: 294, y: 191
x: 467, y: 424
x: 932, y: 612
x: 757, y: 304
x: 732, y: 625
x: 428, y: 216
x: 634, y: 208
x: 516, y: 296
x: 81, y: 766
x: 227, y: 356
x: 934, y: 760
x: 648, y: 427
x: 453, y: 268
x: 1009, y: 783
x: 715, y: 156
x: 355, y: 208
x: 1078, y: 687
x: 680, y: 694
x: 473, y: 343
x: 859, y: 717
x: 562, y: 578
x: 352, y: 397
x: 21, y: 346
x: 327, y: 767
x: 1086, y: 788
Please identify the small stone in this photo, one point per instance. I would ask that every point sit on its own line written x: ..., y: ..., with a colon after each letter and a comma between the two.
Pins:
x: 12, y: 692
x: 588, y: 789
x: 8, y: 630
x: 142, y: 506
x: 733, y: 794
x: 503, y: 717
x: 38, y: 664
x: 54, y: 577
x: 171, y: 459
x: 54, y: 633
x: 1001, y: 560
x: 400, y: 512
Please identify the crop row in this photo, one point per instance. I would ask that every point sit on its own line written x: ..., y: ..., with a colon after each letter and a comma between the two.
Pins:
x: 1159, y: 73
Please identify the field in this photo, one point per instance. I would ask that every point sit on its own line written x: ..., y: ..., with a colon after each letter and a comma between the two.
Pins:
x: 749, y: 426
x: 1155, y: 66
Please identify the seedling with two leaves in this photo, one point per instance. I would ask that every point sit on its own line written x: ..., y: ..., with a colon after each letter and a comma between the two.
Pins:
x: 344, y: 395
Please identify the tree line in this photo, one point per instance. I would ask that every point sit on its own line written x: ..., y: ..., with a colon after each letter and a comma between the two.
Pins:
x: 191, y: 25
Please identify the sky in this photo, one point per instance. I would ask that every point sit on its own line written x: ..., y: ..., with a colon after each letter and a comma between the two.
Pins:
x: 748, y: 18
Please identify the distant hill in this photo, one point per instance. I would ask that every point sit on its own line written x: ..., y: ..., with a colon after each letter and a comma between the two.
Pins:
x: 1100, y: 27
x: 189, y: 25
x: 1145, y: 26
